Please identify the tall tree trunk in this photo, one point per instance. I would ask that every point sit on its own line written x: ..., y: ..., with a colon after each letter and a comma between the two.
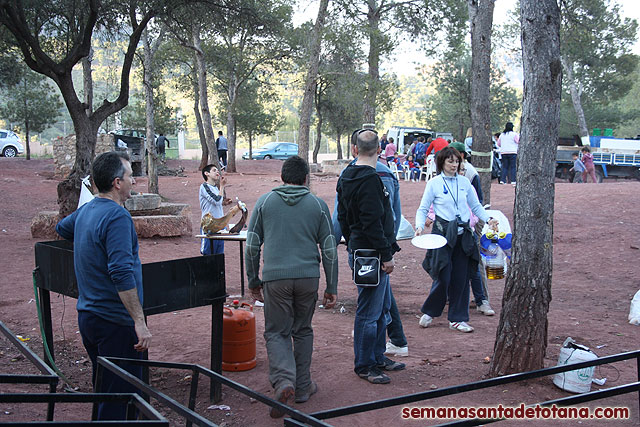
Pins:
x: 87, y: 81
x: 152, y: 156
x: 521, y: 338
x: 250, y: 137
x: 575, y: 88
x: 86, y: 136
x: 204, y: 159
x: 28, y: 138
x: 339, y: 145
x: 316, y: 148
x: 373, y: 81
x: 310, y: 84
x: 204, y: 100
x: 481, y: 18
x: 232, y: 94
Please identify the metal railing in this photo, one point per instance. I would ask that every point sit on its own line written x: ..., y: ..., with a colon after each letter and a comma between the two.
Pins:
x: 188, y: 412
x: 48, y: 375
x: 315, y: 419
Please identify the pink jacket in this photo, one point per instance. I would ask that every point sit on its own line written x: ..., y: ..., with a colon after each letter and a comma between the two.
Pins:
x: 390, y: 150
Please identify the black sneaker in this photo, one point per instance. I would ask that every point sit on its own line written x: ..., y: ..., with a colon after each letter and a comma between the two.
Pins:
x: 374, y: 376
x: 389, y: 365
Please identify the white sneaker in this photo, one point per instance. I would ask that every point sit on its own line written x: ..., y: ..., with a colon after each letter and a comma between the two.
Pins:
x: 393, y: 350
x: 485, y: 308
x: 460, y: 326
x: 425, y: 321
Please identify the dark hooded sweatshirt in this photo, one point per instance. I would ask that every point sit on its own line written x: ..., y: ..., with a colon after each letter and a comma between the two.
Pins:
x: 364, y: 211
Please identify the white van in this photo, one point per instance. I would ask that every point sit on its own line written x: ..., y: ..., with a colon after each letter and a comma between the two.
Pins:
x: 404, y: 136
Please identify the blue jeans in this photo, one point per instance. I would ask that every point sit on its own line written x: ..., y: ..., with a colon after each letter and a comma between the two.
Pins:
x: 394, y: 329
x: 103, y: 338
x: 370, y: 326
x: 477, y: 287
x: 508, y: 168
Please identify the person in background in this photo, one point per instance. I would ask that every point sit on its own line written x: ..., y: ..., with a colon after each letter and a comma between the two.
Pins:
x: 480, y: 293
x: 436, y: 145
x: 221, y: 146
x: 419, y: 150
x: 383, y: 142
x: 390, y: 150
x: 578, y: 168
x: 291, y: 223
x: 468, y: 141
x: 450, y: 266
x: 590, y: 169
x: 160, y: 143
x: 210, y: 196
x: 109, y: 276
x: 508, y: 145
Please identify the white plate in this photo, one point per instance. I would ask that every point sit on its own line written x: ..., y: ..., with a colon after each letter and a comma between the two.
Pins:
x: 429, y: 241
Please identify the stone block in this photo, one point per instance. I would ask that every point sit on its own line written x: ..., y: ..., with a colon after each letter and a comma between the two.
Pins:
x: 43, y: 225
x: 143, y: 202
x: 334, y: 166
x: 162, y: 225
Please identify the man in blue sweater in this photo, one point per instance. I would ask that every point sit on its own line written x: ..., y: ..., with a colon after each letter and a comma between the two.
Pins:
x: 109, y: 276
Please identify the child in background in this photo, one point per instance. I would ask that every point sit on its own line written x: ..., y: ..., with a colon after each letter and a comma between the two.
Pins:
x: 413, y: 168
x: 578, y: 168
x: 210, y: 196
x: 587, y: 160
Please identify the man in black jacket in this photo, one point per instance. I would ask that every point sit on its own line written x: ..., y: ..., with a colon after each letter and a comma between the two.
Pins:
x: 366, y: 220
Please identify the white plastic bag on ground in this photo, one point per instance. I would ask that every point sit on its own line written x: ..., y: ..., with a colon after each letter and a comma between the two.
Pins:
x: 634, y: 312
x: 406, y: 230
x: 85, y: 192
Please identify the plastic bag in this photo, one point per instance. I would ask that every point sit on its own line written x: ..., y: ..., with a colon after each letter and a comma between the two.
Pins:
x: 634, y: 312
x: 405, y: 231
x: 85, y: 193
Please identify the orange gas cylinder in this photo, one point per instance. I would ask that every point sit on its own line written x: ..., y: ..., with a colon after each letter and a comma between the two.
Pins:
x: 238, y: 337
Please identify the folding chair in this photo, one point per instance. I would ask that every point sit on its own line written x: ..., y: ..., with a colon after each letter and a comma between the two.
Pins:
x: 407, y: 172
x: 394, y: 170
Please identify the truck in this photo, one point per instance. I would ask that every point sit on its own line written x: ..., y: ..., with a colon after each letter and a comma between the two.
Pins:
x: 612, y: 157
x: 404, y: 135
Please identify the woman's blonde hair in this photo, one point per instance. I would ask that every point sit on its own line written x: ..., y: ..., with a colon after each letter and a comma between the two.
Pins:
x: 469, y: 132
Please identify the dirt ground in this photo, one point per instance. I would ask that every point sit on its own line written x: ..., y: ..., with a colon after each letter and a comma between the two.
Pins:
x: 597, y: 236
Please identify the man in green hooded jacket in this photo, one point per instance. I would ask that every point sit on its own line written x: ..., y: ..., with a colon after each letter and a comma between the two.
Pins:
x: 291, y: 223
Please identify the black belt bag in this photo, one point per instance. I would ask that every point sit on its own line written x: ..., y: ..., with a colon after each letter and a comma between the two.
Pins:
x: 366, y: 267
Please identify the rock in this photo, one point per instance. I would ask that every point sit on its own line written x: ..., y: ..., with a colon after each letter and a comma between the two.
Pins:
x: 162, y: 225
x: 43, y: 225
x: 142, y: 202
x: 334, y: 166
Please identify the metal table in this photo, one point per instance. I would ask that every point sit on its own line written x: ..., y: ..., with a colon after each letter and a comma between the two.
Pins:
x: 240, y: 238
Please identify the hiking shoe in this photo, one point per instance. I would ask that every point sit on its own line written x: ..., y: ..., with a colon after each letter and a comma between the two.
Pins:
x: 375, y: 376
x: 313, y: 389
x: 394, y: 350
x: 390, y: 365
x: 460, y: 326
x: 425, y: 321
x: 485, y: 308
x: 283, y: 395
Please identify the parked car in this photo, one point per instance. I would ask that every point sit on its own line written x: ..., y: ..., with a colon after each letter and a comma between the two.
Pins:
x: 10, y: 145
x: 274, y: 150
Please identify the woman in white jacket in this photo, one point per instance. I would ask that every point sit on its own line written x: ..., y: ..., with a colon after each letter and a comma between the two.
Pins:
x: 508, y: 145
